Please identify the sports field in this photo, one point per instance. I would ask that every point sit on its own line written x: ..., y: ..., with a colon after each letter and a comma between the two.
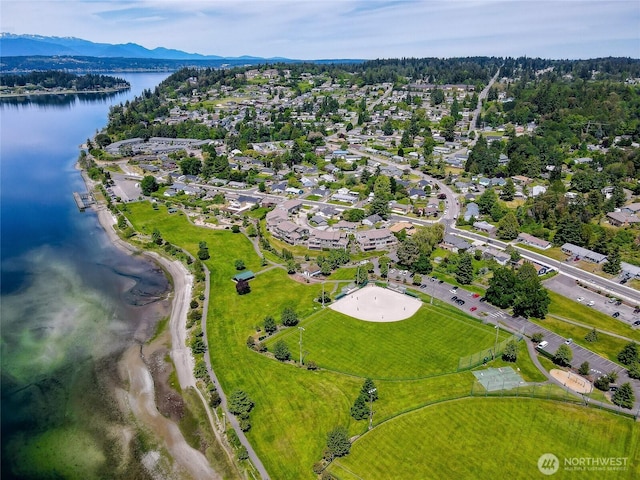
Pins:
x: 477, y: 438
x: 376, y: 304
x: 428, y: 343
x: 296, y: 408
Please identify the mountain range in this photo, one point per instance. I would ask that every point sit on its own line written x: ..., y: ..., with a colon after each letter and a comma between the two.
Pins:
x: 12, y: 45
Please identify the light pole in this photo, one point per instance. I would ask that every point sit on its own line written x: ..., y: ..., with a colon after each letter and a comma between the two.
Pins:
x: 322, y: 294
x: 371, y: 392
x: 495, y: 345
x: 301, y: 330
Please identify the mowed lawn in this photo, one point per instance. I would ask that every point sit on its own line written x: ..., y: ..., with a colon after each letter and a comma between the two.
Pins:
x: 429, y: 343
x: 564, y: 307
x: 491, y: 438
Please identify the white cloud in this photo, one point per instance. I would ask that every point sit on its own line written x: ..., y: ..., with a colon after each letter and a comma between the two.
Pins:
x: 343, y: 28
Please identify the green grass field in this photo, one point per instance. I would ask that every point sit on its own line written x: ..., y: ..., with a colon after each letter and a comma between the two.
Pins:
x: 295, y: 408
x: 567, y: 308
x: 490, y: 438
x: 607, y: 346
x: 429, y: 343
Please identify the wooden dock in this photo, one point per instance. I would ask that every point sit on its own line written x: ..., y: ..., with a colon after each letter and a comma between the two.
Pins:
x: 83, y: 200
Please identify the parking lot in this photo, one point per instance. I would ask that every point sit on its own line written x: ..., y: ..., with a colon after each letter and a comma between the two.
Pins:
x: 567, y: 287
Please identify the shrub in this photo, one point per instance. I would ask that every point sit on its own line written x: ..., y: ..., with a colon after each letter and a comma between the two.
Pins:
x: 592, y: 336
x: 537, y: 337
x: 243, y: 454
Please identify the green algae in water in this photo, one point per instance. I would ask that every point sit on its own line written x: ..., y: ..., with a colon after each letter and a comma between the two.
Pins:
x: 68, y: 452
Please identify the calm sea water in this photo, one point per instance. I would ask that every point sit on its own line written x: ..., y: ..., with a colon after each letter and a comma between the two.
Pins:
x: 64, y: 309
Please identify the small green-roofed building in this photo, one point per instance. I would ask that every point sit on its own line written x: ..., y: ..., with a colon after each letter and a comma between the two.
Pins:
x: 246, y: 275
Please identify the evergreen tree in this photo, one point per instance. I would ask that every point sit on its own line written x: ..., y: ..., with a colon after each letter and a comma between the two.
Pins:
x: 630, y: 354
x: 270, y: 325
x: 487, y: 200
x: 624, y: 396
x: 338, y: 444
x: 289, y: 317
x: 368, y: 386
x: 563, y: 355
x: 612, y: 265
x: 281, y: 351
x: 531, y: 298
x: 464, y: 270
x: 508, y: 191
x: 359, y: 410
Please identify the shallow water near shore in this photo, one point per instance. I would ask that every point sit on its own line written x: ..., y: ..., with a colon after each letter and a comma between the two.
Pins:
x: 71, y: 303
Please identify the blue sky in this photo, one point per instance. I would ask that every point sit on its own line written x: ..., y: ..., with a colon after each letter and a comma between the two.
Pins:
x: 313, y: 29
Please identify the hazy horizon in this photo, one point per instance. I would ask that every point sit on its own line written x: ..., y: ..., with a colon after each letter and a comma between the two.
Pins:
x: 568, y: 29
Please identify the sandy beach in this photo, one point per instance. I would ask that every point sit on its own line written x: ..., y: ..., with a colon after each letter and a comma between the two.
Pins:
x: 140, y: 398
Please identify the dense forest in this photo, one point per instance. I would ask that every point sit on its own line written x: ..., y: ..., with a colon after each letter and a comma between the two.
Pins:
x: 64, y: 80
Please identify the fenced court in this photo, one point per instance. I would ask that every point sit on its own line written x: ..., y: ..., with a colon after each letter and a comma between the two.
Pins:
x: 486, y: 355
x: 504, y: 378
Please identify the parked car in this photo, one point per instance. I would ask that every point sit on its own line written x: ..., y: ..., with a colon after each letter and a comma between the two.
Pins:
x: 568, y: 341
x: 475, y: 295
x: 619, y: 302
x: 473, y: 309
x: 483, y: 299
x: 591, y: 303
x: 615, y: 314
x: 636, y: 310
x: 542, y: 344
x: 636, y: 323
x: 460, y: 302
x: 454, y: 298
x: 580, y: 299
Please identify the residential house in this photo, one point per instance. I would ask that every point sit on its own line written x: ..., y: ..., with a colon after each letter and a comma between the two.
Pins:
x: 472, y: 211
x: 484, y: 227
x: 400, y: 208
x: 538, y: 190
x: 498, y: 255
x: 454, y: 243
x: 622, y: 219
x: 533, y: 241
x: 375, y: 239
x: 371, y: 220
x: 290, y: 232
x: 632, y: 208
x: 409, y: 228
x: 321, y: 239
x: 583, y: 253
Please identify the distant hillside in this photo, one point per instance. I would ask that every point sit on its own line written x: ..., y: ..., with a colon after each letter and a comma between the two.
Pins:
x: 30, y: 45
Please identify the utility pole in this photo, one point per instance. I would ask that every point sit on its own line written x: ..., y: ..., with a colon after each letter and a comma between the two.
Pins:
x: 371, y: 392
x: 322, y: 294
x: 301, y: 330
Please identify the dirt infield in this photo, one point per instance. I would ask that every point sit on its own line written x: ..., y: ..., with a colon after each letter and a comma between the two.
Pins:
x: 574, y: 382
x: 375, y: 304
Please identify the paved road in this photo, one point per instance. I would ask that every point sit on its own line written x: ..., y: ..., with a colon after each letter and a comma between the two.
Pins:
x: 627, y: 294
x: 478, y: 109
